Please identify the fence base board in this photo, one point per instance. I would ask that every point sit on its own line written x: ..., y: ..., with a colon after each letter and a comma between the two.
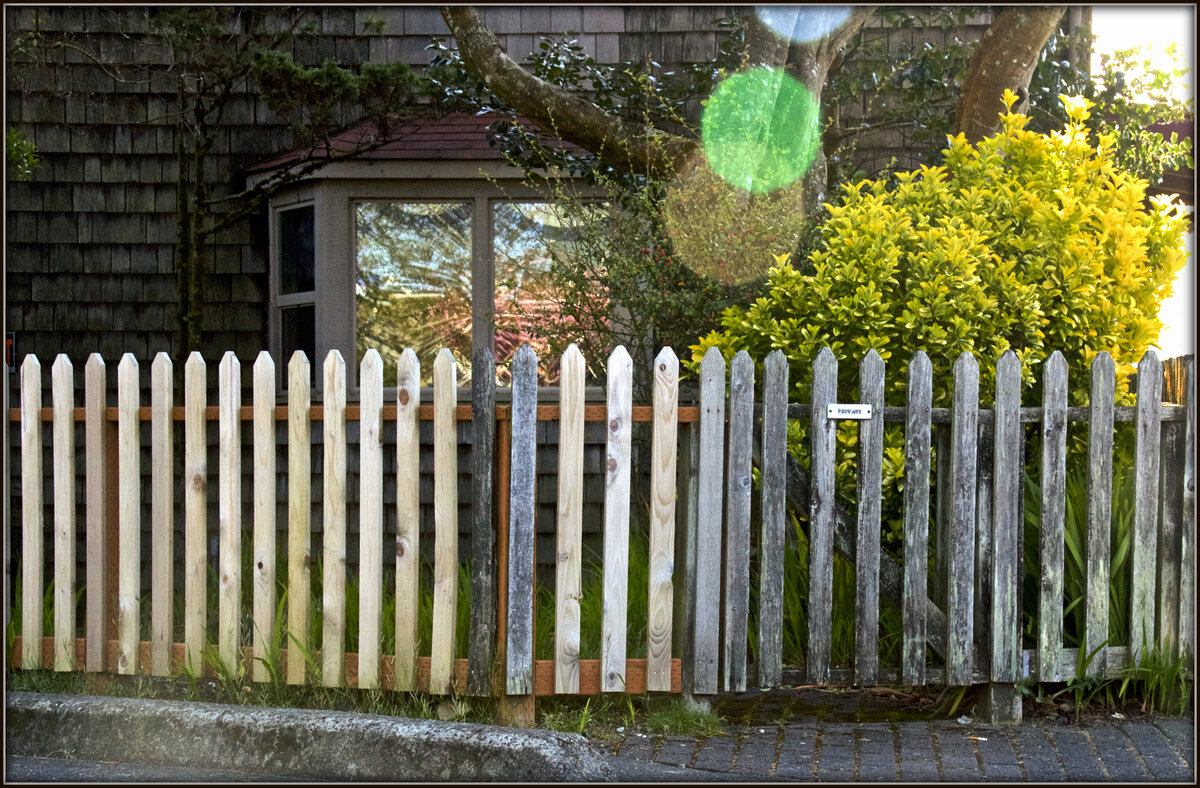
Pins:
x: 1000, y: 704
x: 516, y: 711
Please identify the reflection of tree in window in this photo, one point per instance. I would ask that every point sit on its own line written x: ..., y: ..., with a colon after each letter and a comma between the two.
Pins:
x: 526, y: 238
x: 414, y: 282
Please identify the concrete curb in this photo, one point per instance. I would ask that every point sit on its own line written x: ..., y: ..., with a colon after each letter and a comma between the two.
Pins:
x: 326, y: 745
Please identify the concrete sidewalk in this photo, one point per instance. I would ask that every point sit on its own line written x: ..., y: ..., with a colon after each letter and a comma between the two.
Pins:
x: 122, y: 739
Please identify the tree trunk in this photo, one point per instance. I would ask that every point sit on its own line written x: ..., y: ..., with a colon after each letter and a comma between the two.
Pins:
x: 1005, y: 58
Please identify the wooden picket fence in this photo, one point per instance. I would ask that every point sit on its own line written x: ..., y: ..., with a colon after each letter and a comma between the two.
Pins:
x: 699, y: 533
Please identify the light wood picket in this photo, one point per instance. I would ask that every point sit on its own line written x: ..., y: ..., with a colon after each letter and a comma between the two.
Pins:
x: 370, y: 520
x: 616, y: 520
x: 662, y: 521
x: 333, y: 525
x: 162, y: 518
x: 263, y: 548
x: 31, y: 513
x: 63, y: 378
x: 445, y: 508
x: 195, y: 503
x: 229, y: 518
x: 299, y: 514
x: 129, y: 476
x: 408, y: 532
x: 96, y: 581
x: 569, y: 568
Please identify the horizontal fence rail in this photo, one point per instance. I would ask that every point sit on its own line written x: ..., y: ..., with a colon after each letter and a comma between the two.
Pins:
x: 709, y: 545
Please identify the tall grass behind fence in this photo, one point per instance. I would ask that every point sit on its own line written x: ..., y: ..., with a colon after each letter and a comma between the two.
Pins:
x: 721, y: 603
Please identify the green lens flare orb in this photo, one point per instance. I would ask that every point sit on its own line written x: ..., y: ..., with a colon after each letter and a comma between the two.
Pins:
x: 760, y: 130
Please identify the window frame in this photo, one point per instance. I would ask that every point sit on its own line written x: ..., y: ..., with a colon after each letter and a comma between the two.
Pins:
x: 335, y: 201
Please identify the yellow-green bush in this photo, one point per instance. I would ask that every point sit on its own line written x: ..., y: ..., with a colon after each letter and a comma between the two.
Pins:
x: 1026, y: 241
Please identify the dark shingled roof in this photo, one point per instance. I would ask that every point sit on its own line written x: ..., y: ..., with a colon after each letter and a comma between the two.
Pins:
x: 454, y: 136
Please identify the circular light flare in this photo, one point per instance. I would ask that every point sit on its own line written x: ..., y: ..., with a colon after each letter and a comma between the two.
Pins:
x: 803, y: 24
x: 761, y: 129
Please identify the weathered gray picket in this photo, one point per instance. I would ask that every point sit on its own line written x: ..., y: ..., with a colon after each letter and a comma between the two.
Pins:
x: 820, y: 536
x: 772, y: 536
x: 916, y: 516
x: 521, y: 522
x: 1005, y: 579
x: 1051, y: 540
x: 870, y: 498
x: 1099, y: 510
x: 482, y: 637
x: 1145, y: 504
x: 736, y: 580
x: 961, y: 582
x: 707, y: 582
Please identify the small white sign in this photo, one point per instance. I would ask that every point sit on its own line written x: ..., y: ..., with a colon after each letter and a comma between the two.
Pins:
x: 839, y: 411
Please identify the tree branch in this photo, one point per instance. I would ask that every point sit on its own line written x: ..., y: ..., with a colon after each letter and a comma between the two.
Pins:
x: 632, y: 147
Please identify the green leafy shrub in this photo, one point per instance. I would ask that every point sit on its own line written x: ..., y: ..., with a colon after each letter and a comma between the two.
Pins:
x: 1027, y: 241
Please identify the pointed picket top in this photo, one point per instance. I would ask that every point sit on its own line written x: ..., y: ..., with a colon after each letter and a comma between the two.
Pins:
x: 1010, y: 364
x: 741, y: 372
x: 298, y: 364
x: 872, y: 363
x: 370, y: 381
x: 62, y: 366
x: 128, y: 362
x: 825, y: 355
x: 95, y: 362
x: 666, y: 362
x: 31, y: 365
x: 408, y: 376
x: 194, y: 361
x: 920, y: 361
x: 264, y: 365
x: 229, y: 365
x: 618, y: 355
x: 712, y: 364
x: 966, y: 361
x: 372, y: 362
x: 334, y: 365
x: 572, y: 362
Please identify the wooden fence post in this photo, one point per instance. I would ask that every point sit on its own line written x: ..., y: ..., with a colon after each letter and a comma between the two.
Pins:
x: 263, y: 546
x: 1187, y: 552
x: 195, y: 507
x: 1053, y: 513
